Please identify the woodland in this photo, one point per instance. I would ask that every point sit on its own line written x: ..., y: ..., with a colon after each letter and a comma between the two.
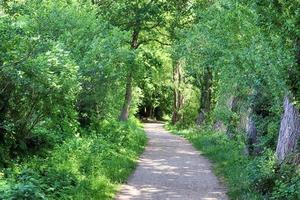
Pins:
x: 78, y: 76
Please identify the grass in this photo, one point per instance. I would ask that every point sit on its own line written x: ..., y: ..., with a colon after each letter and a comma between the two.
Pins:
x: 88, y: 167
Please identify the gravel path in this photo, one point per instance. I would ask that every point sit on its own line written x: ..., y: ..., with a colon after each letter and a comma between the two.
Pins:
x: 171, y: 168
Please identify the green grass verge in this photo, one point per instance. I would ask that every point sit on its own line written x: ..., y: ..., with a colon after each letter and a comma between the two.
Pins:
x: 88, y: 167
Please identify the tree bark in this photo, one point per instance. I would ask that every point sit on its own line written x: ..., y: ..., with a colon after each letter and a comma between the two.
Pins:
x: 128, y: 98
x: 206, y: 96
x: 234, y: 108
x: 289, y: 133
x: 129, y: 79
x: 177, y: 93
x: 251, y: 135
x: 219, y: 126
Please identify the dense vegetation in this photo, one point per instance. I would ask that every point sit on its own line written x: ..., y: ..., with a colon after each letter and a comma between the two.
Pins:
x: 244, y: 58
x: 60, y: 99
x: 75, y: 75
x: 88, y: 166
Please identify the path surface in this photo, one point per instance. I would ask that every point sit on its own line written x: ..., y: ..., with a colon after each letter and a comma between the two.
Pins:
x: 171, y: 168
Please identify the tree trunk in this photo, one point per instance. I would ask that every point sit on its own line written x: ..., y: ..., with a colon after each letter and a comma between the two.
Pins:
x: 128, y: 97
x: 175, y: 111
x: 206, y: 96
x: 234, y: 108
x: 178, y: 97
x: 251, y: 134
x: 289, y: 133
x: 219, y: 126
x: 128, y: 94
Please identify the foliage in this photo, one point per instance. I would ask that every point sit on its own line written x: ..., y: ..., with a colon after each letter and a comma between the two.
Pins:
x: 45, y: 61
x: 62, y: 73
x: 36, y: 74
x: 66, y: 65
x: 155, y: 85
x: 91, y: 165
x: 252, y: 48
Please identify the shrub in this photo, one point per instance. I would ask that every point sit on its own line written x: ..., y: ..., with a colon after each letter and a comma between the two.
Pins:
x: 287, y: 183
x: 262, y: 172
x: 91, y: 165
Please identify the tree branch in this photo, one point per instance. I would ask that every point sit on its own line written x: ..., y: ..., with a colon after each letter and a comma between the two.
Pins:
x: 154, y: 40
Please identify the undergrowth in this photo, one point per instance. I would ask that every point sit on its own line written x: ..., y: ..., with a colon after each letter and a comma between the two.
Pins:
x: 90, y: 166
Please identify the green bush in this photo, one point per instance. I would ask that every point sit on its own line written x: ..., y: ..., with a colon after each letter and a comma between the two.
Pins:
x: 91, y: 165
x: 262, y: 173
x: 55, y: 68
x: 39, y: 87
x: 26, y: 187
x: 287, y: 183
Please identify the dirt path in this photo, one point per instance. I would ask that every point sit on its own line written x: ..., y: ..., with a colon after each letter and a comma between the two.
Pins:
x: 171, y: 168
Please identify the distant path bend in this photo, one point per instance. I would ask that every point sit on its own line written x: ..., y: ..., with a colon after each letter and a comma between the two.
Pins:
x: 170, y: 168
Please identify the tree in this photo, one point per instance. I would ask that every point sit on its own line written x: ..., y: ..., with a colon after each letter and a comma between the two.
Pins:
x: 46, y: 59
x: 141, y: 19
x: 38, y: 87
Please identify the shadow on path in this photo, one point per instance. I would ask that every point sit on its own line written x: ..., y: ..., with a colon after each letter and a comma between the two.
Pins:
x: 171, y: 168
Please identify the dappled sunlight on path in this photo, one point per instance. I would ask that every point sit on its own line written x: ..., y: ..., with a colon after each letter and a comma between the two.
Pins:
x: 171, y: 168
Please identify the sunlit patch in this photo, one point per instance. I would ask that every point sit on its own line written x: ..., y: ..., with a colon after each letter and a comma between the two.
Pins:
x: 171, y: 168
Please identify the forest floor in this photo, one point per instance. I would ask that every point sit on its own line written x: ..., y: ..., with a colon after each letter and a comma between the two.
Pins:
x: 170, y: 168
